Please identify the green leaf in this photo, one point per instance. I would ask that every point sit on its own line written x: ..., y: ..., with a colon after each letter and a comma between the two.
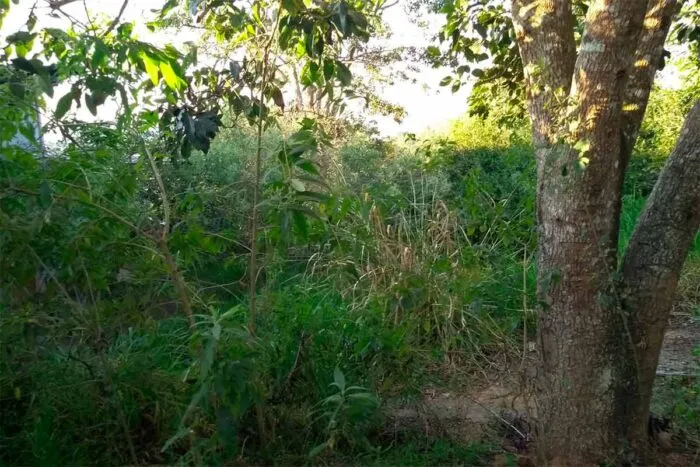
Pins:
x: 23, y: 64
x: 23, y: 42
x: 21, y: 50
x: 339, y: 379
x: 343, y: 73
x: 181, y: 433
x: 173, y: 81
x: 307, y: 166
x: 446, y: 80
x: 342, y: 12
x: 432, y: 51
x: 297, y: 184
x: 45, y: 194
x: 91, y: 104
x: 151, y: 67
x: 309, y: 43
x: 293, y: 6
x: 207, y: 359
x: 300, y: 223
x: 99, y: 55
x: 277, y: 97
x: 310, y: 74
x: 18, y: 90
x: 328, y: 69
x: 318, y: 449
x: 64, y: 104
x: 169, y: 5
x: 101, y: 84
x: 231, y: 311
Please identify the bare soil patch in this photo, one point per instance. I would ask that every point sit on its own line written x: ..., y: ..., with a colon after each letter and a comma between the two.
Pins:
x: 500, y: 410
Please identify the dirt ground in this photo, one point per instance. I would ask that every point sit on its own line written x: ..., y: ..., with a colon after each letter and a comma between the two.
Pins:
x: 498, y: 409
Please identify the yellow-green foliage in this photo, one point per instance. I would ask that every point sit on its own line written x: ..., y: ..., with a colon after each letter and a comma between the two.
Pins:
x: 471, y: 133
x: 664, y: 117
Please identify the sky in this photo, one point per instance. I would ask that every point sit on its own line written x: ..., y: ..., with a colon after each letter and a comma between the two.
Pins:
x: 427, y: 105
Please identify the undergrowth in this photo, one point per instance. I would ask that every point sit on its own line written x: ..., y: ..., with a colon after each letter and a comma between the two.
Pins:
x: 416, y: 268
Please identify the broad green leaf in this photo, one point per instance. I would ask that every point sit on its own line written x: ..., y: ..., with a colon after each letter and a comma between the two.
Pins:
x: 297, y: 184
x: 99, y: 55
x: 23, y: 64
x: 310, y: 74
x: 307, y: 166
x: 64, y: 104
x: 343, y: 73
x: 90, y: 103
x: 277, y: 97
x: 151, y: 67
x: 173, y: 81
x: 21, y: 50
x: 328, y: 69
x: 301, y: 224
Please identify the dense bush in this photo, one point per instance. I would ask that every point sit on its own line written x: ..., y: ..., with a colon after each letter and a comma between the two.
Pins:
x: 413, y: 264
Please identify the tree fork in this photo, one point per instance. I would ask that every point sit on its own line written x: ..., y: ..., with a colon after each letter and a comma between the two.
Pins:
x: 586, y: 111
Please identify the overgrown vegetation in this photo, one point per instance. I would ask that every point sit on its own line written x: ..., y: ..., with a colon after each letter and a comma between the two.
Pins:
x: 385, y: 266
x: 411, y: 274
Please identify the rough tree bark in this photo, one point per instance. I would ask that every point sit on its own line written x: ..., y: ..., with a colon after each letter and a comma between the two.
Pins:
x: 652, y: 264
x: 599, y: 340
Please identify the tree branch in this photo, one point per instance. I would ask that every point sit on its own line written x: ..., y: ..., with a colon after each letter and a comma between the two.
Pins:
x: 603, y: 65
x: 667, y: 227
x: 545, y: 34
x: 115, y: 22
x: 56, y: 4
x: 162, y: 243
x: 652, y: 266
x: 648, y: 59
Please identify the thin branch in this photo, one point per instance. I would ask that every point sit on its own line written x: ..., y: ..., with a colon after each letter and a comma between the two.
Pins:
x: 56, y: 4
x: 87, y: 15
x: 253, y: 272
x: 171, y: 264
x: 116, y: 20
x: 106, y: 210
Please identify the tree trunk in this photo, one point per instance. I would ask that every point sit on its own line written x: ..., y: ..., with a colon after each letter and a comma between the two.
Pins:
x: 578, y: 211
x: 593, y: 384
x: 651, y: 268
